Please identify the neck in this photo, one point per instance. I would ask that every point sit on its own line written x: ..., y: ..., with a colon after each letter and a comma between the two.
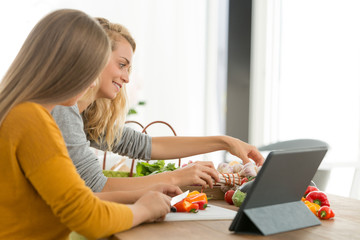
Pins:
x: 86, y: 100
x: 83, y: 104
x: 48, y: 107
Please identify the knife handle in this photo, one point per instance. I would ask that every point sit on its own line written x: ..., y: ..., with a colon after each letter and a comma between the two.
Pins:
x: 173, y: 209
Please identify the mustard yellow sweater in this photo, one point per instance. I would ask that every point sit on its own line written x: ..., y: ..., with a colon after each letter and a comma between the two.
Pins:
x: 41, y: 194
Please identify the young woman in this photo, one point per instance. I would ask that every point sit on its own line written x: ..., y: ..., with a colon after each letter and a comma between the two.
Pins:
x: 103, y: 110
x: 42, y: 196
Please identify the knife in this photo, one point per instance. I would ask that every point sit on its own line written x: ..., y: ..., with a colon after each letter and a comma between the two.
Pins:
x: 177, y: 199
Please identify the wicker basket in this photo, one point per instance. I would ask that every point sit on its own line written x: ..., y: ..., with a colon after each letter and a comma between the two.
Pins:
x: 143, y: 131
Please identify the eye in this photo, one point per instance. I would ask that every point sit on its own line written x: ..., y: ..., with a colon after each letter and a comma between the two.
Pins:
x: 121, y: 65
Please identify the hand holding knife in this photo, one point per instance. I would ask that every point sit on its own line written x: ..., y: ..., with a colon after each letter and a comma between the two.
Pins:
x: 177, y: 199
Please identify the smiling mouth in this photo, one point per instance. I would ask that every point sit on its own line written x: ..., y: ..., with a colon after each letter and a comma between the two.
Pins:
x: 117, y: 85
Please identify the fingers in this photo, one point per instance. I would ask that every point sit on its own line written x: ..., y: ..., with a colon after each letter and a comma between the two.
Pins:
x: 209, y: 169
x: 204, y: 173
x: 172, y: 190
x: 256, y: 156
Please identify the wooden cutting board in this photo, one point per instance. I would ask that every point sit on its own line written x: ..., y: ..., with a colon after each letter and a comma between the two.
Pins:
x: 210, y: 213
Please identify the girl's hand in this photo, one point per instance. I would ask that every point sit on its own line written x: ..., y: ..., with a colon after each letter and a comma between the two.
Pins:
x: 151, y: 207
x: 199, y: 173
x: 244, y: 151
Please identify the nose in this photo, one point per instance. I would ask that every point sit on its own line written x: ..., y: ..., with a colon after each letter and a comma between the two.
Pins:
x: 125, y: 77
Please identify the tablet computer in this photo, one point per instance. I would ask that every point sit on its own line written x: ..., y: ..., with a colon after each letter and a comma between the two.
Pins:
x: 273, y: 203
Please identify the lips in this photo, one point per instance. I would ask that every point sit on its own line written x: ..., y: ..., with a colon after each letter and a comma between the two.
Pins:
x: 118, y: 86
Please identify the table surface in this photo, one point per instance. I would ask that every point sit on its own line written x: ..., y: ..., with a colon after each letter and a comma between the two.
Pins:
x: 345, y: 225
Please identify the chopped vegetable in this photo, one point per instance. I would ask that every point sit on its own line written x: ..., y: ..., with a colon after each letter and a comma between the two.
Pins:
x: 197, y: 197
x: 202, y: 204
x: 192, y: 203
x: 193, y: 193
x: 318, y: 197
x: 238, y: 198
x: 325, y: 212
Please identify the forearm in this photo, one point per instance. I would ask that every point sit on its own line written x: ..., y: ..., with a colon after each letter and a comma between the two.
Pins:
x: 125, y: 197
x: 180, y: 147
x: 136, y: 183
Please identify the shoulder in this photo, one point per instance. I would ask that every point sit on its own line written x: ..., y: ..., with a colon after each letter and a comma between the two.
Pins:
x: 29, y: 118
x: 64, y: 112
x: 29, y: 112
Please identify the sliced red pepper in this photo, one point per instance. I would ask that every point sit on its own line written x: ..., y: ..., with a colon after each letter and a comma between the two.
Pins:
x: 197, y: 197
x: 192, y: 203
x: 202, y: 204
x: 186, y: 206
x: 194, y: 208
x: 325, y: 212
x: 310, y: 189
x: 318, y: 197
x: 193, y: 193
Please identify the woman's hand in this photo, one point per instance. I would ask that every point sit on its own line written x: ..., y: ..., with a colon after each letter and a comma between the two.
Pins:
x: 151, y: 207
x: 244, y: 151
x: 167, y: 189
x: 200, y: 173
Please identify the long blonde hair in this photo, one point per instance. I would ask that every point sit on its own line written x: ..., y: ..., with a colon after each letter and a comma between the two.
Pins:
x: 105, y: 117
x: 61, y: 57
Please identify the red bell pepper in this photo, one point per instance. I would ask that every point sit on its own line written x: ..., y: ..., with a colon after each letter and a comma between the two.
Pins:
x: 325, y: 212
x: 192, y: 203
x: 197, y: 197
x: 202, y: 204
x: 318, y: 197
x: 186, y: 206
x: 310, y: 189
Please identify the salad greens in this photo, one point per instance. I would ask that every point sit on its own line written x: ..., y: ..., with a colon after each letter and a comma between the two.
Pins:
x: 110, y: 173
x: 145, y: 168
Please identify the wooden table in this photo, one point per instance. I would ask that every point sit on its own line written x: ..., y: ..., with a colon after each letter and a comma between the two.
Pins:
x: 346, y: 225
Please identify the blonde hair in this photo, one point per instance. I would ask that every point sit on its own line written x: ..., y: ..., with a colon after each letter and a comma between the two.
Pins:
x: 105, y: 117
x: 61, y: 57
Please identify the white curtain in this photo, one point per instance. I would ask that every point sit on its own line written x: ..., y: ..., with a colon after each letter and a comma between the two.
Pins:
x: 309, y: 69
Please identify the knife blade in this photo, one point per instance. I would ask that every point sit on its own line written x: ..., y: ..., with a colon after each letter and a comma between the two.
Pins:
x: 178, y: 198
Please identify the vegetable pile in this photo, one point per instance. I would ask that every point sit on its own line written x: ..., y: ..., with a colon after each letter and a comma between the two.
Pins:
x: 193, y: 202
x: 235, y: 179
x: 318, y: 203
x: 234, y: 174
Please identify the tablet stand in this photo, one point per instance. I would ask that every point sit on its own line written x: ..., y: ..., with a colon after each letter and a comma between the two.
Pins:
x: 273, y: 219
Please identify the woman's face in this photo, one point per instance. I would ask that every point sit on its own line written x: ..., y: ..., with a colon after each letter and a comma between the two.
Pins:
x: 116, y: 72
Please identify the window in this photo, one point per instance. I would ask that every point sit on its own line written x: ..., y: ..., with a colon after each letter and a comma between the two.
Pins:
x: 312, y: 81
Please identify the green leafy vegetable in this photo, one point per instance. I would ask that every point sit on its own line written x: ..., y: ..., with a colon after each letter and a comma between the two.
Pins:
x: 145, y: 168
x: 110, y: 173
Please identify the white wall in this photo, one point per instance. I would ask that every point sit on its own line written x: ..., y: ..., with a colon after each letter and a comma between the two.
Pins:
x: 176, y: 47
